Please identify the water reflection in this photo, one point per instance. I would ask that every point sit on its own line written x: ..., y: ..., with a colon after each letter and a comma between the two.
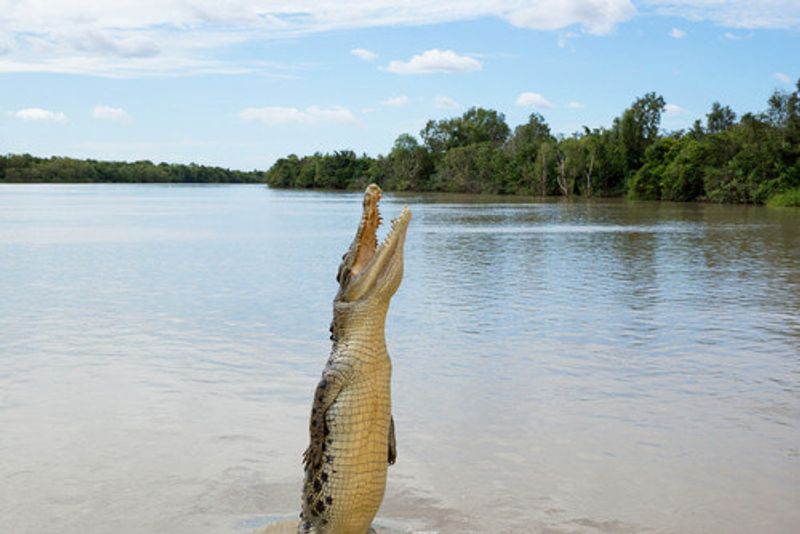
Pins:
x: 559, y: 367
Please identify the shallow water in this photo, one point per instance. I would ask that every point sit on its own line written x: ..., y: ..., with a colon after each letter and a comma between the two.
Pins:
x: 558, y: 367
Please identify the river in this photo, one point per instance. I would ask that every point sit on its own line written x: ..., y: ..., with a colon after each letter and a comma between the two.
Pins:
x: 559, y: 367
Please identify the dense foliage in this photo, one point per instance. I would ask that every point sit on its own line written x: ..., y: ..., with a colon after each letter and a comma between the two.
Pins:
x: 723, y: 160
x: 787, y: 199
x: 25, y: 168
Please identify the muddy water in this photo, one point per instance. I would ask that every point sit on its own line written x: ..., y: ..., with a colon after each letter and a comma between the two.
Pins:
x: 558, y: 367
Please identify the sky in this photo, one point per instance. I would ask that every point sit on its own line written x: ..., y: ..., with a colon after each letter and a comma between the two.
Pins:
x: 240, y: 83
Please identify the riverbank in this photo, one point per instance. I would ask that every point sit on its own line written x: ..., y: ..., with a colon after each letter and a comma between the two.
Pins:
x: 25, y: 168
x: 724, y: 159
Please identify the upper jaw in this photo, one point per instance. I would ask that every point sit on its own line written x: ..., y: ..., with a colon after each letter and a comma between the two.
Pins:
x: 366, y: 240
x: 367, y: 263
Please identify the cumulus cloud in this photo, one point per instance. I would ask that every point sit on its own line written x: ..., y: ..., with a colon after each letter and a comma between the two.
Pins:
x: 575, y: 105
x: 363, y: 53
x: 783, y: 78
x: 533, y: 100
x: 110, y: 114
x: 276, y: 116
x: 733, y: 13
x: 598, y: 17
x: 396, y: 101
x: 677, y: 33
x: 39, y: 115
x: 435, y: 61
x: 445, y: 102
x: 673, y: 109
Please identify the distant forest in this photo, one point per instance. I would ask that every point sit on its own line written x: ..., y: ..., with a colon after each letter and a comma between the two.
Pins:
x: 749, y: 159
x: 752, y: 159
x: 25, y: 168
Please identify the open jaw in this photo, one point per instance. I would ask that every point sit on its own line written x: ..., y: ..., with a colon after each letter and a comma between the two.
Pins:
x: 371, y: 259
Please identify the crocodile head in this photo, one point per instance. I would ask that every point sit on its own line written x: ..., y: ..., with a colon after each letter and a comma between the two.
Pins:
x: 370, y: 271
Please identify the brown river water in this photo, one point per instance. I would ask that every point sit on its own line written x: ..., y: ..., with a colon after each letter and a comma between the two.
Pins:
x: 559, y: 367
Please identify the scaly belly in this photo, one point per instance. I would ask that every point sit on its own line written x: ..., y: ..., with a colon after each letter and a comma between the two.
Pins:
x: 350, y: 483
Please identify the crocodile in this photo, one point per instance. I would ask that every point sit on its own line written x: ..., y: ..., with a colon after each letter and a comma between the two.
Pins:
x: 352, y: 439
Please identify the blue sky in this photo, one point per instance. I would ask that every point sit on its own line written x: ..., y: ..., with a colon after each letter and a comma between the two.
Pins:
x: 242, y: 82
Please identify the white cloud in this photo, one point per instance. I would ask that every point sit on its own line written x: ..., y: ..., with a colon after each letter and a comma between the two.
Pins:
x: 733, y: 13
x: 39, y: 115
x: 136, y: 67
x: 575, y: 105
x: 598, y: 17
x: 278, y: 18
x: 445, y: 102
x: 534, y: 100
x: 363, y: 53
x: 275, y: 115
x: 677, y: 33
x: 435, y: 61
x: 110, y: 114
x: 396, y: 101
x: 737, y: 36
x: 7, y: 44
x: 291, y: 16
x: 179, y: 37
x: 673, y: 109
x: 783, y: 78
x: 100, y: 43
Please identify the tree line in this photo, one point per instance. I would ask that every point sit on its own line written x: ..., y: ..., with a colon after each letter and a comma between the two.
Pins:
x: 24, y: 168
x: 747, y: 159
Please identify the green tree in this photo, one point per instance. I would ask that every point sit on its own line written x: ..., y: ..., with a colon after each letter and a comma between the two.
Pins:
x: 284, y: 172
x: 683, y: 177
x: 720, y: 118
x: 409, y: 166
x: 476, y: 125
x: 545, y: 168
x: 474, y: 168
x: 523, y: 148
x: 638, y: 128
x: 571, y: 164
x: 645, y: 184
